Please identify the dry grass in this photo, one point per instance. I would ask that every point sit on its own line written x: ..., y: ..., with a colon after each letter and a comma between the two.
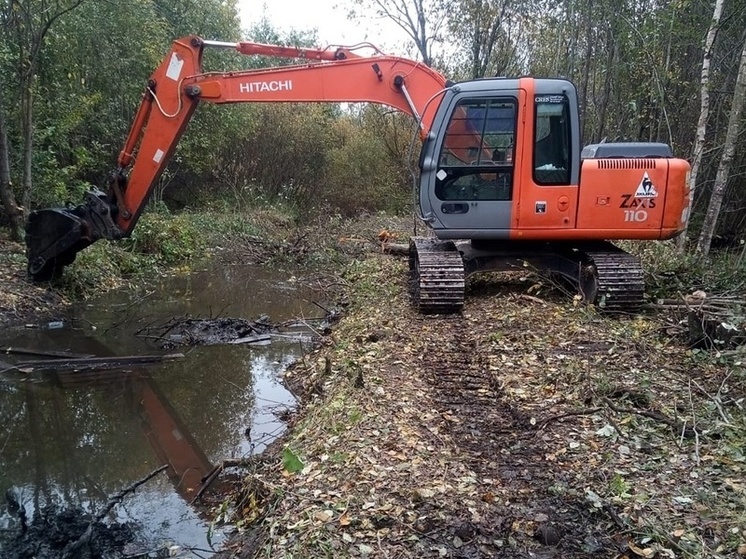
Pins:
x: 20, y: 300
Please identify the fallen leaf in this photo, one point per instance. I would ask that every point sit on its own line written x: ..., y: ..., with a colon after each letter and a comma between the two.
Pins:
x: 291, y: 462
x: 322, y: 516
x: 647, y: 552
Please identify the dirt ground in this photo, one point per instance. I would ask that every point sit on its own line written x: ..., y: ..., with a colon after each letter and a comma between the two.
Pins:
x: 528, y: 426
x: 20, y: 300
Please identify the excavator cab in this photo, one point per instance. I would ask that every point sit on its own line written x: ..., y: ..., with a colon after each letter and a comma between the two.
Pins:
x: 501, y: 149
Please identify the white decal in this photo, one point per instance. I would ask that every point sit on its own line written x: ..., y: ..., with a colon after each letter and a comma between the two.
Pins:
x: 261, y: 87
x: 646, y: 189
x: 441, y: 175
x: 159, y: 153
x: 635, y: 215
x: 174, y: 67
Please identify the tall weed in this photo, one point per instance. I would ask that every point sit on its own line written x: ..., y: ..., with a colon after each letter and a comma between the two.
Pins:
x: 669, y: 273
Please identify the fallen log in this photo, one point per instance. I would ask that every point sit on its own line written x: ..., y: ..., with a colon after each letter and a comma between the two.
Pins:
x: 4, y: 367
x: 95, y: 363
x: 395, y: 248
x: 44, y: 353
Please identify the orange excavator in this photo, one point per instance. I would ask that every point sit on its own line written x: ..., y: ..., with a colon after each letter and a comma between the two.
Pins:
x: 503, y: 181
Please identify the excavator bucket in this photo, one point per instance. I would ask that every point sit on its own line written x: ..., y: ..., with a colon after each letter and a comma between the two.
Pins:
x: 54, y: 236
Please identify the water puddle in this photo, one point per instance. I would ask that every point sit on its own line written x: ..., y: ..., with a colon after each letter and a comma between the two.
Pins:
x: 72, y: 440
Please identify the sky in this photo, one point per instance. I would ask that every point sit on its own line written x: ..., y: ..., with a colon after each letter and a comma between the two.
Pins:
x: 329, y: 17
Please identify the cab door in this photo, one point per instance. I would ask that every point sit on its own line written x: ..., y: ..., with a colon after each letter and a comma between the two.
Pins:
x: 547, y: 203
x: 468, y: 171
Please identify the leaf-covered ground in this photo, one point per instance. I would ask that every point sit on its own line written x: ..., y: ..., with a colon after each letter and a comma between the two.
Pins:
x: 528, y: 426
x: 21, y: 300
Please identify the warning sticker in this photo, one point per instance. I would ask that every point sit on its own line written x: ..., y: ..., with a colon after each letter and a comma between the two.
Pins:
x: 646, y: 188
x: 174, y: 67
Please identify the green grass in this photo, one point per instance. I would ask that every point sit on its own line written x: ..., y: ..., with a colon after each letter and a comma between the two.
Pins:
x: 669, y: 273
x: 161, y: 241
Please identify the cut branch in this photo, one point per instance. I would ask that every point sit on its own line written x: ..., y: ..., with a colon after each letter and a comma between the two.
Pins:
x: 216, y: 471
x: 588, y: 411
x: 675, y: 424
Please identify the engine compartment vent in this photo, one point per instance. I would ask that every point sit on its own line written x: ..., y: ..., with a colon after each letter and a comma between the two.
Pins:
x: 626, y: 163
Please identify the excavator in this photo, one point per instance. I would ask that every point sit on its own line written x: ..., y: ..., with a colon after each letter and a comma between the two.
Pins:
x: 503, y: 181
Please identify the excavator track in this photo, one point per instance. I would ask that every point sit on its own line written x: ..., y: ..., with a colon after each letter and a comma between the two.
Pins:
x: 613, y: 280
x: 437, y: 276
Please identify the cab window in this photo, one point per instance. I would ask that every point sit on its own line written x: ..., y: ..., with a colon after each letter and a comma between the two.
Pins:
x: 476, y: 158
x: 552, y: 133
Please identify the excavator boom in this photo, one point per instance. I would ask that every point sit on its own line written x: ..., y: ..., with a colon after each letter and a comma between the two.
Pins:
x: 54, y: 236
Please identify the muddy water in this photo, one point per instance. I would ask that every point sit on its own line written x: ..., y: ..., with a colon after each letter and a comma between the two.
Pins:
x: 75, y: 439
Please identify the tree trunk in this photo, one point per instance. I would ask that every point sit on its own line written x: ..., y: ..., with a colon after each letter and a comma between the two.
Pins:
x: 704, y: 112
x: 31, y: 25
x: 729, y: 149
x: 27, y: 130
x: 586, y: 69
x: 6, y: 186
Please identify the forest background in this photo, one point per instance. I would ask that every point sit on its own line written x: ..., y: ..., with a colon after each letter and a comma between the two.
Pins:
x: 73, y: 71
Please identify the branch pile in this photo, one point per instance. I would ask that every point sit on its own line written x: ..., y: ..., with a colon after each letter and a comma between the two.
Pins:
x: 184, y: 331
x: 713, y: 321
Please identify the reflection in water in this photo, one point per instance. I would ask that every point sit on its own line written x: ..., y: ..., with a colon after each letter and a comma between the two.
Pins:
x: 75, y: 439
x: 169, y: 438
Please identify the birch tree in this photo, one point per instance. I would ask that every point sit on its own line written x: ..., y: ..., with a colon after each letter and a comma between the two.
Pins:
x: 704, y: 111
x: 726, y: 159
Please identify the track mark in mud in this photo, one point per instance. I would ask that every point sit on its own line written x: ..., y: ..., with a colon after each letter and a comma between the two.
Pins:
x: 499, y: 443
x: 480, y: 419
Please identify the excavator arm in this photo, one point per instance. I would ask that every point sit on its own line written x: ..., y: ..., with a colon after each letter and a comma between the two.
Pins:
x: 54, y: 236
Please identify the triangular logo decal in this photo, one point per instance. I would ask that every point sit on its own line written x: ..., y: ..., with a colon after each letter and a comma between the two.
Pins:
x: 646, y: 188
